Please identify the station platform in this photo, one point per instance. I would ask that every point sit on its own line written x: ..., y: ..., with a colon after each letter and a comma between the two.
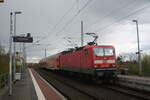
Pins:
x: 32, y: 87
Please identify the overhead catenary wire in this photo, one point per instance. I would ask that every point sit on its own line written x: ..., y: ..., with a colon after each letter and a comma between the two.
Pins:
x: 121, y: 19
x: 62, y: 18
x: 118, y: 9
x: 100, y: 28
x: 79, y: 11
x: 114, y: 11
x: 71, y: 20
x: 111, y: 13
x: 59, y: 21
x: 132, y: 13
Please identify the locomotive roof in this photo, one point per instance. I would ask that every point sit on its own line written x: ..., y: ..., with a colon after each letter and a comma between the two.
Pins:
x: 74, y: 49
x: 91, y: 46
x: 84, y: 47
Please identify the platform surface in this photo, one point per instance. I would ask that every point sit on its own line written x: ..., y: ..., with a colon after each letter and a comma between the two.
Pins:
x: 23, y: 89
x: 32, y: 87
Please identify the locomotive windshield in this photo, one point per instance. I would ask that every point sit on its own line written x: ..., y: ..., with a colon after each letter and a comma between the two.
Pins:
x: 104, y: 51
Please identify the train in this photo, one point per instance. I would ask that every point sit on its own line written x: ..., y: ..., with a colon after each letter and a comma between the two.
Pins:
x: 97, y: 61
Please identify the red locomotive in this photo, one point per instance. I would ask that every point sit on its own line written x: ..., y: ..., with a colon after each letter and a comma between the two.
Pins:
x: 93, y: 60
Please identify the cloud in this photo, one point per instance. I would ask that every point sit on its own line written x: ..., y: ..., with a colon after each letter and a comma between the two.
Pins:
x: 124, y: 37
x: 39, y: 18
x: 34, y: 59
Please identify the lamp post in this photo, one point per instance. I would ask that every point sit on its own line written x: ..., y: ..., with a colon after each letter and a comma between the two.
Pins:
x: 14, y: 60
x: 10, y: 54
x: 139, y: 52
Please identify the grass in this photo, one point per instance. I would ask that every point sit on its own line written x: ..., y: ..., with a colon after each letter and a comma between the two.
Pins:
x: 146, y: 65
x: 133, y: 69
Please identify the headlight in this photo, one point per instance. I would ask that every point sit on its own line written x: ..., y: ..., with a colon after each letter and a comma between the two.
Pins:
x: 98, y: 61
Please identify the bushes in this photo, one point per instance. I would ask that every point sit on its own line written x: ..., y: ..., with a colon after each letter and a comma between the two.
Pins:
x: 146, y: 64
x: 133, y: 66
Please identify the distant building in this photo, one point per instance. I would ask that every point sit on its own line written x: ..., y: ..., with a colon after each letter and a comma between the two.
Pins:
x: 19, y: 60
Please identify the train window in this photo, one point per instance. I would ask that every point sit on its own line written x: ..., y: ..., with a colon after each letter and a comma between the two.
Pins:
x: 98, y: 52
x: 85, y: 52
x: 109, y: 51
x: 104, y: 51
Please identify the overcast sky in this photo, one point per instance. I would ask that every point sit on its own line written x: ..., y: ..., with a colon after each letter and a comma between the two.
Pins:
x: 51, y: 22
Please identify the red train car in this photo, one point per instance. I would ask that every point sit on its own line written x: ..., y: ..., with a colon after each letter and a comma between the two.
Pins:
x: 51, y: 62
x: 95, y: 60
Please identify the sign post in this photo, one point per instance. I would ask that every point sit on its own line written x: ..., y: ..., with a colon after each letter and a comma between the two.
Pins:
x: 24, y: 39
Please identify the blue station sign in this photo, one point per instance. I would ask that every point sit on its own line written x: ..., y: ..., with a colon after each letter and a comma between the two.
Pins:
x: 22, y: 39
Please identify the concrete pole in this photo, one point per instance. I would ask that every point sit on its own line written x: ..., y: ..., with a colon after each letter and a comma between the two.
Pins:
x: 10, y: 55
x: 14, y: 56
x: 82, y: 34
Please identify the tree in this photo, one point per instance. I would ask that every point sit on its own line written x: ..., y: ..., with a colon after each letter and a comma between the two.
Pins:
x: 127, y: 57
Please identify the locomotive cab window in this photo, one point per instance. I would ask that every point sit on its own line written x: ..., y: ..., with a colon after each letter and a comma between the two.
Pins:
x: 109, y: 51
x: 104, y: 51
x: 98, y: 52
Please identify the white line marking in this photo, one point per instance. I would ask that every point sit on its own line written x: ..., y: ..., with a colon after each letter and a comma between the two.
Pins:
x: 37, y: 88
x: 62, y: 97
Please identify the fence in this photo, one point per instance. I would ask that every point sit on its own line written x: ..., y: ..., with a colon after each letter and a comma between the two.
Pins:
x: 4, y: 80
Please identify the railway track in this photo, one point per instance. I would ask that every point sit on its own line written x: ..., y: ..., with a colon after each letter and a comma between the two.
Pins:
x: 69, y: 91
x: 75, y: 89
x: 129, y: 91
